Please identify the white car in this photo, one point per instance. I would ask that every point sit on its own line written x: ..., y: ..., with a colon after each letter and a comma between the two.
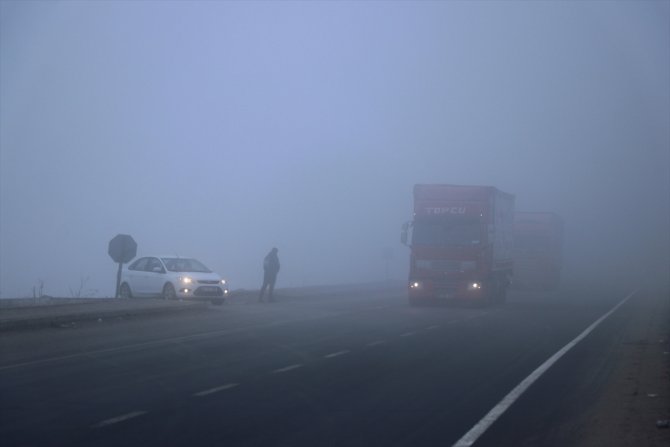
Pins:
x: 171, y: 277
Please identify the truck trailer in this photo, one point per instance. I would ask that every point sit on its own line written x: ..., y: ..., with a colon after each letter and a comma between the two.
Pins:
x: 538, y: 246
x: 461, y: 243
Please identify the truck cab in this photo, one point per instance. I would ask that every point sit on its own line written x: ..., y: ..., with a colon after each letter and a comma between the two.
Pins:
x: 460, y: 243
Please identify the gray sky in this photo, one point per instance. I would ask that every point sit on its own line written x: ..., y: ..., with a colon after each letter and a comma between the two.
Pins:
x: 220, y: 129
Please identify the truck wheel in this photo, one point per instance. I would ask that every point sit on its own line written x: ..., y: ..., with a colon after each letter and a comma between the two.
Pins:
x: 502, y: 295
x: 498, y: 292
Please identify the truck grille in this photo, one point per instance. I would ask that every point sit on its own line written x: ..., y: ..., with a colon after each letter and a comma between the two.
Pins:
x: 445, y: 265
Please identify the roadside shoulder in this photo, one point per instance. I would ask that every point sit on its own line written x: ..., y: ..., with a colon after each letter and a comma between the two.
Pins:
x: 637, y: 395
x: 61, y: 315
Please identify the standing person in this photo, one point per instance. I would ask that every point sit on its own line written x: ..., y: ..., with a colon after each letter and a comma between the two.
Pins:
x: 270, y: 270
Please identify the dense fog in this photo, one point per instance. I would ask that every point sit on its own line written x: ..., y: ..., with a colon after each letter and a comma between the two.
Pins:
x: 218, y: 130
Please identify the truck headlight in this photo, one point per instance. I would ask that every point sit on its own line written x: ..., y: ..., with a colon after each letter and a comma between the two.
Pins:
x: 475, y: 286
x: 414, y: 285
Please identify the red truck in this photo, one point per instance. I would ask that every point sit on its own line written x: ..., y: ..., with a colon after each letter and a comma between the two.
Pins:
x: 538, y: 246
x: 461, y: 243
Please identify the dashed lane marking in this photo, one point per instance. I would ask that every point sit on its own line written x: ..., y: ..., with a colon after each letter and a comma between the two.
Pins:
x: 287, y: 368
x: 216, y: 389
x: 180, y: 339
x: 335, y: 354
x: 407, y: 334
x: 376, y: 343
x: 433, y: 327
x: 167, y: 341
x: 116, y: 420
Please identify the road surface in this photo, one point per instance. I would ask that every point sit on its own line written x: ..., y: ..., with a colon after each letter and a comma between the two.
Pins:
x: 343, y: 366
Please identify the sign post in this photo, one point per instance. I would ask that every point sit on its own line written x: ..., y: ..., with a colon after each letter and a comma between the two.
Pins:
x: 122, y: 248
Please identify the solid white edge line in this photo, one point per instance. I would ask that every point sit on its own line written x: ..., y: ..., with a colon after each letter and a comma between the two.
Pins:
x: 287, y: 368
x: 118, y: 419
x: 475, y: 432
x: 335, y: 354
x: 216, y: 389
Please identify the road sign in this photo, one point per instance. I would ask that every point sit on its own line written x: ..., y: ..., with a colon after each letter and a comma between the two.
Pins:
x: 122, y: 248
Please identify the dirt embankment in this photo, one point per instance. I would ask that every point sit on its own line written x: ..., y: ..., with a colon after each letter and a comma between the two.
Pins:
x: 637, y: 398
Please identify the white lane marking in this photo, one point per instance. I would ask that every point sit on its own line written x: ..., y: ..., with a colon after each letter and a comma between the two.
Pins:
x: 216, y: 389
x: 287, y: 368
x: 116, y: 420
x: 335, y: 354
x: 475, y: 432
x: 202, y: 335
x: 169, y: 340
x: 376, y: 343
x: 407, y: 334
x: 435, y: 326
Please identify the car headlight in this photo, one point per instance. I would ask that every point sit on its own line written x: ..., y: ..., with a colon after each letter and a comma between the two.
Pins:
x: 475, y: 285
x: 223, y: 282
x: 186, y: 280
x: 414, y: 285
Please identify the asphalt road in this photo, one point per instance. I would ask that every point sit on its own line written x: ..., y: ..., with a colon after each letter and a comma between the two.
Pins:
x: 326, y: 367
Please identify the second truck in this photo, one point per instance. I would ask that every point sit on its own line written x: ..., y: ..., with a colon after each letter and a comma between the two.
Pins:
x: 461, y: 243
x: 538, y: 243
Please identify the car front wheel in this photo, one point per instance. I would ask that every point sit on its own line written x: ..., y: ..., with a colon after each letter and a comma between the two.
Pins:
x: 169, y: 292
x: 125, y: 291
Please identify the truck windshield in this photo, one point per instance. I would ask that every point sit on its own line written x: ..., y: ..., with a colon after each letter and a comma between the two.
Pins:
x: 446, y: 232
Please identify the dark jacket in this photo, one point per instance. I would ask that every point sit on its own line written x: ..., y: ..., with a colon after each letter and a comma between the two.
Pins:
x: 271, y: 263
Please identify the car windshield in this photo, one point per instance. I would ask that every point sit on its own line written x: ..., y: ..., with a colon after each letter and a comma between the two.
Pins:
x: 185, y: 265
